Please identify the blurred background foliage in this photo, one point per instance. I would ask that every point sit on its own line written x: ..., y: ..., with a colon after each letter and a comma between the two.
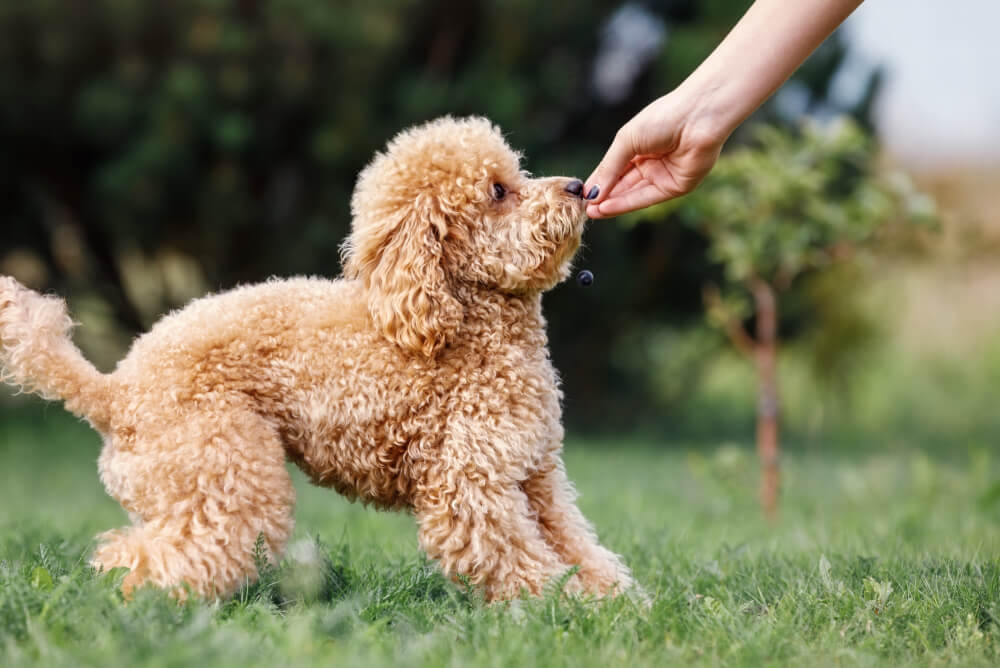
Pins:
x: 156, y: 150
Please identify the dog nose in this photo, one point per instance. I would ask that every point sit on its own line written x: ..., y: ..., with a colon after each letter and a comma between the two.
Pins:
x: 575, y: 188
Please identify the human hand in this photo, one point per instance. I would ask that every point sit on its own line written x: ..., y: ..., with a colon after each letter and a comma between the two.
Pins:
x: 663, y: 152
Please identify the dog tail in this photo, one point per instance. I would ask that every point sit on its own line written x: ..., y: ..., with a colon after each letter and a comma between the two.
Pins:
x: 37, y: 355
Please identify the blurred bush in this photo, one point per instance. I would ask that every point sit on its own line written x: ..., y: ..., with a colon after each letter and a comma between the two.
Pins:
x: 155, y: 150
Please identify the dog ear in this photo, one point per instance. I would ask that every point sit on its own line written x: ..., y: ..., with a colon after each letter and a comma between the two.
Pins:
x: 399, y: 257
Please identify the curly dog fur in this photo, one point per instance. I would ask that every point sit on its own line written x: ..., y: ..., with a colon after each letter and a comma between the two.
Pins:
x: 419, y: 380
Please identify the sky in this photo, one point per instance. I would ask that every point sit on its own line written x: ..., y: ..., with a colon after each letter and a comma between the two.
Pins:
x: 940, y: 105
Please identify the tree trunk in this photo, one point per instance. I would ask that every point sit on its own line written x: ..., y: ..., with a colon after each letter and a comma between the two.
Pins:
x: 766, y: 358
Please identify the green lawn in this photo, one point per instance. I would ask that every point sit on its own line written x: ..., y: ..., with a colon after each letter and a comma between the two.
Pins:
x: 877, y: 558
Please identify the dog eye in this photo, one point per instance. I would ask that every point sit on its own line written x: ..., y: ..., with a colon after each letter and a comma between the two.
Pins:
x: 499, y: 191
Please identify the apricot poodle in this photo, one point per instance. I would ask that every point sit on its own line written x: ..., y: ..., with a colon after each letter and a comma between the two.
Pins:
x: 419, y: 380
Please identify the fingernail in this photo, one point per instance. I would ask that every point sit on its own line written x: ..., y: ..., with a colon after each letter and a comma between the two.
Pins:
x: 594, y: 192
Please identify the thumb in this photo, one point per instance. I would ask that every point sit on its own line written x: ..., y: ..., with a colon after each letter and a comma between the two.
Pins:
x: 613, y: 165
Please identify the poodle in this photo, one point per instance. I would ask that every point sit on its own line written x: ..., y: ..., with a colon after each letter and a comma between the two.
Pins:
x: 419, y: 380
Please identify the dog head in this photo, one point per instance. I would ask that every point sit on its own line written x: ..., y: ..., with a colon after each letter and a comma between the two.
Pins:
x: 446, y: 211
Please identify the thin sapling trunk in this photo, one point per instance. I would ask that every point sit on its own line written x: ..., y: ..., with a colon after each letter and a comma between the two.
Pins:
x: 766, y: 360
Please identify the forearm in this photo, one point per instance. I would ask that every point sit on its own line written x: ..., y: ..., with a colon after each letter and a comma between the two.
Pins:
x: 666, y: 149
x: 772, y: 39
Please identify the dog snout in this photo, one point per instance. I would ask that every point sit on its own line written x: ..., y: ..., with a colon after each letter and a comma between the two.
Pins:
x: 575, y: 188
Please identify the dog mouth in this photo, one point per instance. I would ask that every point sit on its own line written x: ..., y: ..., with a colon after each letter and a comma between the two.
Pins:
x: 567, y: 245
x: 579, y: 218
x: 572, y: 244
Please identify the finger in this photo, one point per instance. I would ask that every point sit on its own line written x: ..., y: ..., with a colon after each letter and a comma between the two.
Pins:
x: 632, y: 200
x: 594, y: 212
x: 628, y: 180
x: 611, y: 168
x: 632, y: 180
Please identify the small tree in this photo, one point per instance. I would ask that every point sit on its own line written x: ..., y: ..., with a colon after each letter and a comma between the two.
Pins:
x: 792, y: 203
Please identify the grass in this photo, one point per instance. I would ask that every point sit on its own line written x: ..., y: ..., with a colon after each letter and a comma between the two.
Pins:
x: 889, y: 557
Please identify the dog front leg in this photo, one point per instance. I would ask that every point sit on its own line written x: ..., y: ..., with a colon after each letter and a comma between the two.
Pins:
x: 553, y: 500
x: 485, y: 531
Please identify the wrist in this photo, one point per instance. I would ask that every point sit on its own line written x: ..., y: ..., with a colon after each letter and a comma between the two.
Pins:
x: 711, y: 115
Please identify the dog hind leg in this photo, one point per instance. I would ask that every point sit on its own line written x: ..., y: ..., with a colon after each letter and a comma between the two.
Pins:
x: 203, y: 505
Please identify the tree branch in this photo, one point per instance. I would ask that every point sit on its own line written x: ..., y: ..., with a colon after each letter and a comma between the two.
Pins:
x: 729, y: 323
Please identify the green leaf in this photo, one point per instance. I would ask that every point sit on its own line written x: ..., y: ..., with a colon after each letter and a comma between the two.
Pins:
x: 41, y: 579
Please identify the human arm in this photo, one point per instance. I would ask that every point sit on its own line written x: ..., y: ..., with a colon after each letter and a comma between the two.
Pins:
x: 666, y: 149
